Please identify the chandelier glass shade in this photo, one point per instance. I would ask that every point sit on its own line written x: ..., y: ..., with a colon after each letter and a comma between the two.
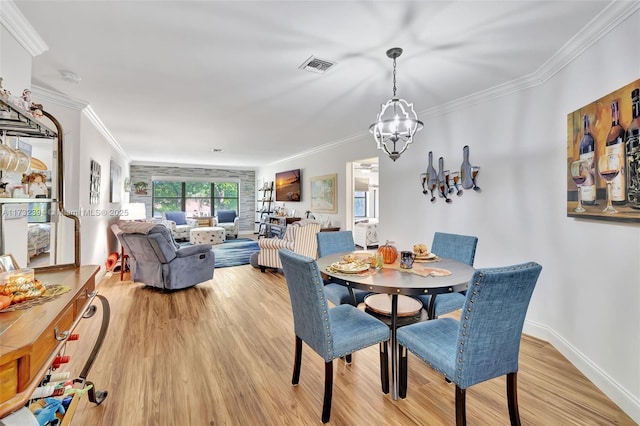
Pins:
x: 397, y: 122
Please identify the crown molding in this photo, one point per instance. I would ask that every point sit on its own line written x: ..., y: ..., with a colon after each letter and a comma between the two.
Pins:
x: 99, y: 125
x: 57, y: 98
x: 610, y: 17
x: 20, y: 28
x: 323, y: 147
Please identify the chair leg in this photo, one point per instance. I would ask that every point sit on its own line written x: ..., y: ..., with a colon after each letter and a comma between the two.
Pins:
x: 347, y: 358
x: 328, y: 390
x: 461, y: 411
x: 404, y: 370
x: 384, y: 367
x: 512, y: 398
x: 431, y: 309
x: 263, y: 269
x: 297, y: 361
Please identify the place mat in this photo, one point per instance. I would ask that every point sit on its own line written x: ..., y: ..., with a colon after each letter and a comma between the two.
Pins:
x: 381, y: 304
x: 422, y: 270
x: 365, y: 273
x: 52, y: 292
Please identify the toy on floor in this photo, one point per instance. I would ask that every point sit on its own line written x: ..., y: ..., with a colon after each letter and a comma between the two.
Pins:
x: 47, y: 414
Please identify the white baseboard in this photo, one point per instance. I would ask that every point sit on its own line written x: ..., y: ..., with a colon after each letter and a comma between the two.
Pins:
x: 618, y: 394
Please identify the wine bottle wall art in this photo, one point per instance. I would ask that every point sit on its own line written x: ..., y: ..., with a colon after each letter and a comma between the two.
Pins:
x: 603, y: 157
x: 445, y: 183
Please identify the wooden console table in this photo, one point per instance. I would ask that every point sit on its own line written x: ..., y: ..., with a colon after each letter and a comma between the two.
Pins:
x: 330, y: 229
x: 275, y: 226
x: 31, y: 338
x: 204, y: 220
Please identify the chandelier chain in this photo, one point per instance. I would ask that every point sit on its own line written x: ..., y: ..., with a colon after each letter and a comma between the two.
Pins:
x: 394, y: 77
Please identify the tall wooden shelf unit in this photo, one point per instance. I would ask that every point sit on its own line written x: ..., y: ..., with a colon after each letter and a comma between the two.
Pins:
x: 264, y: 207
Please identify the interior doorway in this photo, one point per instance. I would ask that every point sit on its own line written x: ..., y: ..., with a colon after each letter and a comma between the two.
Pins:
x: 365, y: 194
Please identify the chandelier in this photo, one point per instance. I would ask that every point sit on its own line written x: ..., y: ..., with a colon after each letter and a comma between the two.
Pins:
x: 397, y: 121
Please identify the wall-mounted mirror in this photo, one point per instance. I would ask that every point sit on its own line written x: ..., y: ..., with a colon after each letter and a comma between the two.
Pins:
x: 34, y: 229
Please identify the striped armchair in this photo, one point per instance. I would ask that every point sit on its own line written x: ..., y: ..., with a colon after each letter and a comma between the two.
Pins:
x: 300, y: 237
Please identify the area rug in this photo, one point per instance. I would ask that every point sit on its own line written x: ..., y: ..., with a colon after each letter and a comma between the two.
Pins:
x: 233, y: 252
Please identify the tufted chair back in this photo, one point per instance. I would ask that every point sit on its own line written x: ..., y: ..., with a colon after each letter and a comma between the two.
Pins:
x: 300, y: 237
x: 330, y: 332
x: 485, y: 343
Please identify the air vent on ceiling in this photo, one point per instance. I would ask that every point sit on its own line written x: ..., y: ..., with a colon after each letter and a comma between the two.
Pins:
x: 316, y: 65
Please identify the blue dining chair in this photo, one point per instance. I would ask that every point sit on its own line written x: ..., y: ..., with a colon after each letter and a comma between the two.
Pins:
x: 339, y: 242
x: 457, y: 247
x: 485, y: 343
x: 331, y: 332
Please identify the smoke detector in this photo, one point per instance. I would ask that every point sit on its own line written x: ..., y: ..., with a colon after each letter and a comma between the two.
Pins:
x: 70, y: 76
x: 317, y: 65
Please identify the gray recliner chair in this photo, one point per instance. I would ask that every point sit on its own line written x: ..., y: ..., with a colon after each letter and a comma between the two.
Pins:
x: 158, y: 261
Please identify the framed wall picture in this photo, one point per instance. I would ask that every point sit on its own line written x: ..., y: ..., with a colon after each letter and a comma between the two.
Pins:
x: 94, y: 184
x: 603, y: 157
x: 115, y: 185
x: 324, y: 194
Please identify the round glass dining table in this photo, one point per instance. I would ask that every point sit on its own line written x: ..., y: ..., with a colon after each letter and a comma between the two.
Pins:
x: 395, y: 281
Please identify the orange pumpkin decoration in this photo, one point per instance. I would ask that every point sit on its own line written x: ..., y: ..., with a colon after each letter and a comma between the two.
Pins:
x: 388, y: 252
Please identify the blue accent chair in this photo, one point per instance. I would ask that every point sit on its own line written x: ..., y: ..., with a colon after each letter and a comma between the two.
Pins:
x: 457, y: 247
x: 485, y: 343
x: 339, y: 242
x: 180, y: 224
x: 331, y: 332
x: 229, y: 220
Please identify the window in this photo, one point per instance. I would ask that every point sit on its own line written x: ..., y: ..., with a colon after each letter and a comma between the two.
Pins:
x: 360, y: 204
x: 196, y: 198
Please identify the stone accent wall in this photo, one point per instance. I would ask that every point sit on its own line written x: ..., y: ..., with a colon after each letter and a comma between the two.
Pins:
x: 247, y: 187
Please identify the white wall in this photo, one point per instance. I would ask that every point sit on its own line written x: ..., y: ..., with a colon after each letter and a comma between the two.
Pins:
x: 322, y: 163
x: 587, y: 298
x: 15, y: 63
x: 82, y: 142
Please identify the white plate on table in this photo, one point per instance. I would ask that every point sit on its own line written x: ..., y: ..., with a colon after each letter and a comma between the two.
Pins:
x: 430, y: 256
x: 350, y: 267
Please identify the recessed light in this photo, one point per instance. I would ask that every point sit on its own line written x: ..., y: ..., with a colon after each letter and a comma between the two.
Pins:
x: 70, y: 77
x: 217, y: 150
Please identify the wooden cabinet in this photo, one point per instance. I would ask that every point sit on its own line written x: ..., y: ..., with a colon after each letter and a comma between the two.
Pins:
x: 203, y: 220
x: 275, y: 226
x: 31, y: 338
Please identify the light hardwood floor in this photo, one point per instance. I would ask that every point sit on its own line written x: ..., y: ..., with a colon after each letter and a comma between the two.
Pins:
x: 221, y: 353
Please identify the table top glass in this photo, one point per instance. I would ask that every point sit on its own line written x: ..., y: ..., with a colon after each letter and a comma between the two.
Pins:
x: 395, y: 281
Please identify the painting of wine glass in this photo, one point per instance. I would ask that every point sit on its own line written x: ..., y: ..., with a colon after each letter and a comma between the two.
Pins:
x: 603, y: 157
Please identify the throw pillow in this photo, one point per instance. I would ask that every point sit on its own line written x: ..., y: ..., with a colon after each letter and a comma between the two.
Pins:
x: 226, y: 216
x: 180, y: 218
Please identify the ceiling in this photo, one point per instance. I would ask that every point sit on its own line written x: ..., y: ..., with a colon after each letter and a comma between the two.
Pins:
x: 172, y: 80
